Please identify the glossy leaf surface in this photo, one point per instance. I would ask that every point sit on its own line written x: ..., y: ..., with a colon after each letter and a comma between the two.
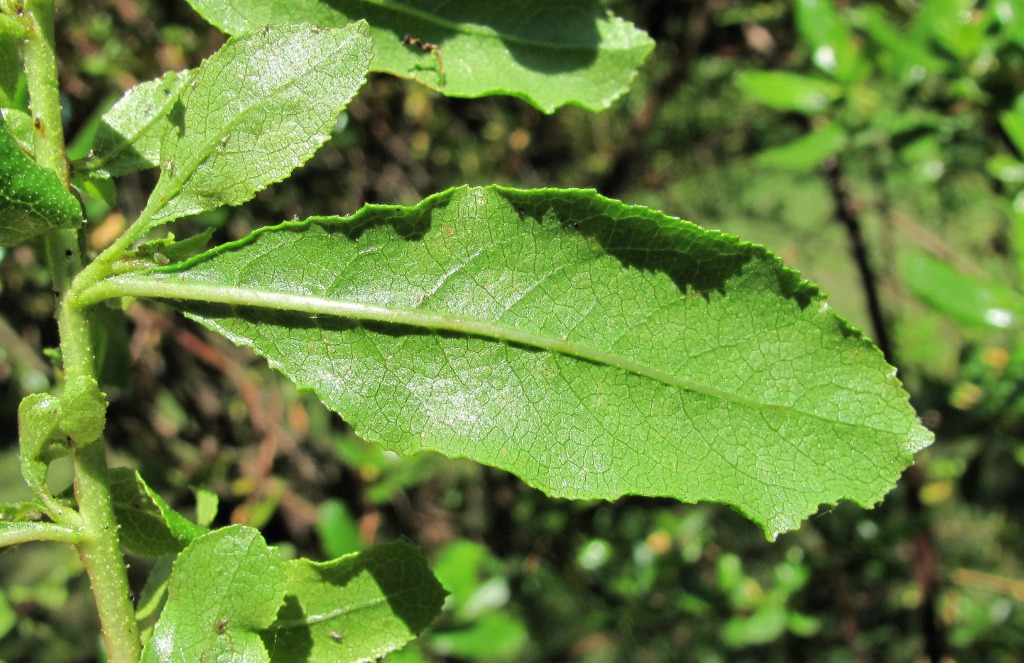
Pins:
x: 592, y: 348
x: 129, y: 137
x: 549, y: 54
x: 253, y: 112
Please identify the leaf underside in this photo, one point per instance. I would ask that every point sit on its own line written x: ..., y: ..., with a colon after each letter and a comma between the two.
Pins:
x: 592, y: 348
x: 549, y: 54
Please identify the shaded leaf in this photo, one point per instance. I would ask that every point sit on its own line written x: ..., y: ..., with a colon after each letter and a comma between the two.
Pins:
x: 149, y: 526
x: 254, y: 111
x: 550, y: 54
x: 32, y: 199
x: 225, y: 587
x: 356, y: 608
x: 592, y: 348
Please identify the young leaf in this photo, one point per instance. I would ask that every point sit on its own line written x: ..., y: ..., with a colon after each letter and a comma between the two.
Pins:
x: 549, y: 54
x: 83, y: 410
x: 149, y: 526
x: 32, y: 200
x: 129, y: 137
x: 355, y: 608
x: 226, y: 586
x: 592, y: 348
x: 254, y: 111
x: 38, y: 429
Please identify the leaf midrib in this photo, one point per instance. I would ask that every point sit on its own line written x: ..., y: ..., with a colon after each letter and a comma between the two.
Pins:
x: 157, y: 287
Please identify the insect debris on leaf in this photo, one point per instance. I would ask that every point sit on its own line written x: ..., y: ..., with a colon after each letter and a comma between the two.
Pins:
x: 427, y: 47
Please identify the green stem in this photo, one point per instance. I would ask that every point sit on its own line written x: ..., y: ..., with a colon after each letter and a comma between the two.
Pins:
x: 99, y: 546
x: 38, y: 532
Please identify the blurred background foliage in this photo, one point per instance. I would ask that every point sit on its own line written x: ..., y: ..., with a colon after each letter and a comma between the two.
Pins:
x: 876, y: 146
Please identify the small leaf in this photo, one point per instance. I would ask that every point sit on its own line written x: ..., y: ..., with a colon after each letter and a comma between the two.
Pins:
x: 969, y: 300
x: 807, y: 152
x: 32, y: 200
x: 550, y: 54
x: 38, y: 429
x: 83, y: 410
x: 356, y: 608
x: 592, y: 348
x: 149, y: 526
x: 254, y: 111
x: 207, y: 503
x: 226, y: 586
x: 129, y: 137
x: 788, y: 92
x: 19, y: 124
x: 1012, y: 122
x: 833, y: 47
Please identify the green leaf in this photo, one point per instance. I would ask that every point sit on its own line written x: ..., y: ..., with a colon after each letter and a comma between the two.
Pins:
x: 11, y: 71
x: 1012, y: 122
x: 970, y: 300
x: 254, y: 111
x: 356, y: 608
x: 549, y: 54
x: 833, y: 47
x: 32, y: 200
x: 38, y: 424
x: 337, y: 530
x: 495, y: 636
x: 807, y: 152
x: 788, y: 92
x: 592, y: 348
x: 207, y: 503
x: 19, y: 124
x: 149, y: 526
x: 129, y: 137
x: 226, y: 586
x: 83, y: 410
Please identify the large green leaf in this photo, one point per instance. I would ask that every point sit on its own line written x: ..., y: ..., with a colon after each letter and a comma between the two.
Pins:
x: 548, y: 53
x: 32, y: 199
x: 225, y: 587
x: 355, y: 608
x: 253, y: 112
x: 592, y: 348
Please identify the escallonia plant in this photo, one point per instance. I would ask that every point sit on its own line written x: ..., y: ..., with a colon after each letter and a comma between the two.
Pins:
x: 592, y: 348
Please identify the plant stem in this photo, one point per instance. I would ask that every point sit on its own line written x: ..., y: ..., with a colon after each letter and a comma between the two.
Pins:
x: 99, y: 546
